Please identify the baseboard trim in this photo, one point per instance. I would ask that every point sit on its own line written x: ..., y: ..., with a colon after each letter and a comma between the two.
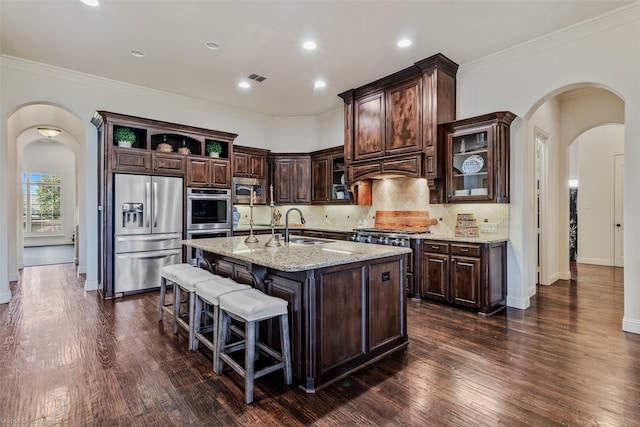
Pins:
x: 631, y: 325
x: 90, y: 285
x: 519, y: 303
x: 5, y: 297
x: 594, y: 261
x: 564, y: 276
x: 14, y: 277
x: 82, y: 269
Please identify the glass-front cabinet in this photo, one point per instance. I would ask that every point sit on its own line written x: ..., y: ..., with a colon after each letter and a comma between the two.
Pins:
x: 478, y: 158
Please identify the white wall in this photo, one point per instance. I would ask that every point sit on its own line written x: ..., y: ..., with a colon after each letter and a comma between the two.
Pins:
x: 523, y: 78
x: 547, y: 120
x: 53, y: 157
x: 596, y: 149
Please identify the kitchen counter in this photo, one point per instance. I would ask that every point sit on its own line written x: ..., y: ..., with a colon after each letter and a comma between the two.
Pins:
x: 484, y: 238
x: 347, y: 301
x: 295, y: 256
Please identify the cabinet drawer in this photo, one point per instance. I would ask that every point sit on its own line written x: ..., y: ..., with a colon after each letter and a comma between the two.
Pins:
x: 469, y: 250
x: 437, y: 247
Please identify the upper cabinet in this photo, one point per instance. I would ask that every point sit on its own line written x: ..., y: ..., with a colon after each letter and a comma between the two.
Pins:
x: 328, y: 183
x: 478, y: 158
x: 250, y: 162
x: 391, y: 124
x: 291, y: 178
x: 138, y: 145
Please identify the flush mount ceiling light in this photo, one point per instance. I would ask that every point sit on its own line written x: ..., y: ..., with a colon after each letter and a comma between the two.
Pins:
x: 49, y: 132
x: 136, y: 53
x: 213, y: 45
x: 91, y: 2
x: 404, y: 43
x: 319, y: 84
x: 309, y: 45
x: 244, y: 85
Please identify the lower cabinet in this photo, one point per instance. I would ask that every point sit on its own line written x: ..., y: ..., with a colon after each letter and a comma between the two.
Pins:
x: 465, y: 274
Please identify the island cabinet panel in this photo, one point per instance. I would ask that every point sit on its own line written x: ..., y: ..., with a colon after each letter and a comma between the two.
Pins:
x: 386, y: 321
x: 290, y: 291
x: 341, y: 304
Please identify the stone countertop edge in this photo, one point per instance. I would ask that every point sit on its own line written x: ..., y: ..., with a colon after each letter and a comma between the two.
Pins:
x: 294, y: 256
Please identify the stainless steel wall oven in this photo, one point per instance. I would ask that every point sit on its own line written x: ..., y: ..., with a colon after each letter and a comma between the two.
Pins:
x: 208, y: 208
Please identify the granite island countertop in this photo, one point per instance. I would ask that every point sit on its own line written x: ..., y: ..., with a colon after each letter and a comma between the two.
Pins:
x: 295, y: 256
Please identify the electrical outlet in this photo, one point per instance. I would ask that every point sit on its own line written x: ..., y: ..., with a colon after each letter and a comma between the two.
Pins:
x: 488, y: 227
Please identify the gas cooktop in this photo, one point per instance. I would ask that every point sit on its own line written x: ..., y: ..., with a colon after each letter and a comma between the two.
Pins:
x: 389, y: 230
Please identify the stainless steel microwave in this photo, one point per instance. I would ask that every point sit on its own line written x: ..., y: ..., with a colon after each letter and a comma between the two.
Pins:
x: 242, y: 188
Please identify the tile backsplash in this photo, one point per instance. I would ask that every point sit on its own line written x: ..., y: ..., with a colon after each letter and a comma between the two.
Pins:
x: 388, y: 194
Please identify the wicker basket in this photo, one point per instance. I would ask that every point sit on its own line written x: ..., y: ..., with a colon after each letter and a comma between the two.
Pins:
x: 165, y: 148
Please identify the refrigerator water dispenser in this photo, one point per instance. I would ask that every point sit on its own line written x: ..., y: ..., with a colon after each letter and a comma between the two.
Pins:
x: 132, y: 215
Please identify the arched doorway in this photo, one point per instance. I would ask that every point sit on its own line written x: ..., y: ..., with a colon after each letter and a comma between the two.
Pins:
x: 22, y: 126
x: 562, y: 116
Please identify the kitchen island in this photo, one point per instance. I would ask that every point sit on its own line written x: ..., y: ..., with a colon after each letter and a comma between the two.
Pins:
x: 346, y: 301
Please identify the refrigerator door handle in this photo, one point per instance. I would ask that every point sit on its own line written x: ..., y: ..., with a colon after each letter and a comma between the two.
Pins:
x: 145, y: 255
x: 155, y: 204
x: 148, y: 237
x: 147, y: 196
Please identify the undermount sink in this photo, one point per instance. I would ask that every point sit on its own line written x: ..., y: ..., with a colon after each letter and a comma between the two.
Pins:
x: 303, y: 241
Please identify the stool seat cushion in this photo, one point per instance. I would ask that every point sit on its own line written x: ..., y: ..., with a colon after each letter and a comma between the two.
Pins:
x: 252, y: 305
x: 170, y: 272
x: 188, y: 279
x: 211, y: 290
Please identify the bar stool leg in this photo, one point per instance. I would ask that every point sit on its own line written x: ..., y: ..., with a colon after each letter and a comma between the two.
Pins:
x: 223, y: 324
x: 249, y: 358
x: 197, y: 322
x: 285, y: 345
x: 177, y: 302
x: 192, y: 311
x: 163, y: 292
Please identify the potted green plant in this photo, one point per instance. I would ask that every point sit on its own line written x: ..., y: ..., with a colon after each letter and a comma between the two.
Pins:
x: 214, y: 148
x: 124, y: 136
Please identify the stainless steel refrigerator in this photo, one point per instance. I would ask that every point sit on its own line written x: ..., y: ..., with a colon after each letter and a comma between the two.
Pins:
x: 148, y: 229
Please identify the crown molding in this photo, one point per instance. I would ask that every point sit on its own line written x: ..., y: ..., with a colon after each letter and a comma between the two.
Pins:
x: 616, y: 18
x: 77, y: 77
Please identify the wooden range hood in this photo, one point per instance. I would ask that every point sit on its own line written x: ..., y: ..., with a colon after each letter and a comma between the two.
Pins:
x: 391, y: 124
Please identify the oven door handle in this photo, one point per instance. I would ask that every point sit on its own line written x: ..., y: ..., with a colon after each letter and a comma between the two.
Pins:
x: 207, y: 197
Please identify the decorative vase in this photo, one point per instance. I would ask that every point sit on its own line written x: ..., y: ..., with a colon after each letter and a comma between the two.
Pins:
x: 214, y: 154
x: 236, y: 217
x: 127, y: 144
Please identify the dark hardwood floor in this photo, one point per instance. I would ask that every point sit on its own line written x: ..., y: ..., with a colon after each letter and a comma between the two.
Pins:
x: 69, y: 358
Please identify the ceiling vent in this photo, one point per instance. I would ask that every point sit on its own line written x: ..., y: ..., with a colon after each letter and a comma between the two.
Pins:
x: 257, y: 77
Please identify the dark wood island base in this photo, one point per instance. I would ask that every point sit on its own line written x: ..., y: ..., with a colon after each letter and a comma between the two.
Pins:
x: 341, y: 317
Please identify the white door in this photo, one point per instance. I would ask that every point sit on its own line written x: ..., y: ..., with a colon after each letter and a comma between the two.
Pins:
x: 618, y: 211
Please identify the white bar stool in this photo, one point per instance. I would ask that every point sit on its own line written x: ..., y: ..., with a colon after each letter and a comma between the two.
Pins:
x: 207, y: 298
x: 186, y: 281
x: 251, y: 306
x: 168, y: 275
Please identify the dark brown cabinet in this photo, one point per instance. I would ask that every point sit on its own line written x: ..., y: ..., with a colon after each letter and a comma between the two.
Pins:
x: 204, y: 172
x: 160, y: 148
x: 327, y: 176
x: 249, y: 162
x: 391, y: 124
x: 478, y: 158
x: 465, y: 274
x: 291, y: 178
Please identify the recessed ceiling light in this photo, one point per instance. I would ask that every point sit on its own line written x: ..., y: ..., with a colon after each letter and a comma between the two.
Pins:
x: 244, y: 85
x: 404, y: 43
x: 136, y: 53
x: 213, y: 45
x: 91, y: 2
x: 319, y: 84
x: 309, y: 45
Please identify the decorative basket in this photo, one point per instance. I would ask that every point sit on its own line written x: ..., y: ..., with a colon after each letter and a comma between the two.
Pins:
x: 472, y: 164
x: 184, y: 150
x: 165, y: 148
x: 466, y: 226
